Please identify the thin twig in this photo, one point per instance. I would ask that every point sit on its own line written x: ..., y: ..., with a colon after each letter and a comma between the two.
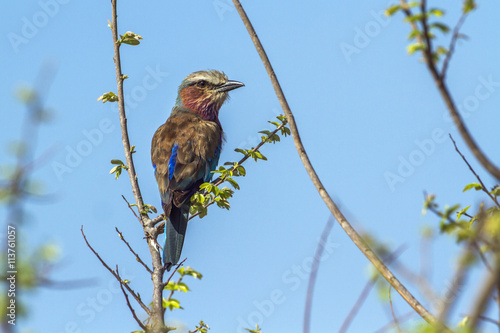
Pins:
x: 175, y: 270
x: 128, y: 303
x: 136, y: 297
x: 392, y: 311
x: 133, y: 252
x: 475, y: 174
x: 133, y: 211
x: 451, y: 48
x: 351, y: 232
x: 314, y: 271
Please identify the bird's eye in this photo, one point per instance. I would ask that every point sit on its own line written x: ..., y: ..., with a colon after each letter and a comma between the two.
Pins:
x: 202, y: 84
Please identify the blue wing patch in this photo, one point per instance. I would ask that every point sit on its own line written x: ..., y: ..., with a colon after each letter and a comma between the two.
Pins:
x: 212, y: 165
x: 172, y: 161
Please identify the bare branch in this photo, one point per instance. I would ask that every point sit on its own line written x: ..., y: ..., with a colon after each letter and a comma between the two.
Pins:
x: 128, y: 303
x: 131, y: 209
x: 136, y: 297
x: 351, y: 232
x: 475, y: 174
x: 173, y: 272
x: 133, y: 252
x: 313, y: 274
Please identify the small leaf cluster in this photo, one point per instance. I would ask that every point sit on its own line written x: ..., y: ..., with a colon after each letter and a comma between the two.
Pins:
x: 172, y: 303
x: 210, y: 193
x: 417, y: 33
x: 457, y: 221
x: 119, y: 166
x: 273, y: 137
x: 256, y: 330
x: 202, y: 328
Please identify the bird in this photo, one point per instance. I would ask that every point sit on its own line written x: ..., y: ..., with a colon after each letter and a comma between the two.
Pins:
x: 186, y: 149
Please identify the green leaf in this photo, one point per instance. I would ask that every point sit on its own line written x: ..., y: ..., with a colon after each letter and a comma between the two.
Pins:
x: 462, y: 212
x: 413, y: 34
x: 469, y: 5
x: 440, y: 26
x: 392, y: 10
x: 171, y: 304
x: 130, y: 38
x: 475, y: 186
x: 256, y: 330
x: 233, y: 183
x: 117, y: 162
x: 189, y: 271
x: 436, y: 12
x: 242, y: 151
x: 108, y: 97
x: 495, y: 191
x: 412, y: 48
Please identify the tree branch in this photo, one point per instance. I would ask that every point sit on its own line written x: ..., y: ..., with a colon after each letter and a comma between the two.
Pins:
x: 136, y: 297
x: 133, y: 252
x: 356, y: 238
x: 121, y: 110
x: 128, y: 303
x: 475, y: 174
x: 445, y: 94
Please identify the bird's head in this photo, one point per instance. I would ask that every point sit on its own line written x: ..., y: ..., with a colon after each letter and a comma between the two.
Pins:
x: 204, y: 92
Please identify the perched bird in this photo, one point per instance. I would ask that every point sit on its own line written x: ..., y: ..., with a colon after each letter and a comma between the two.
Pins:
x: 186, y: 149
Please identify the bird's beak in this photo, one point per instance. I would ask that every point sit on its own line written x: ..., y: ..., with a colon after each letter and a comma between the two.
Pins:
x: 230, y: 85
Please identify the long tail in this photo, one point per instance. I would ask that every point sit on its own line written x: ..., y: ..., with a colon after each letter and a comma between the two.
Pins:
x: 175, y: 231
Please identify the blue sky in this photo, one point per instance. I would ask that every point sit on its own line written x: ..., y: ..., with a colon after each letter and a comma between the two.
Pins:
x: 365, y: 110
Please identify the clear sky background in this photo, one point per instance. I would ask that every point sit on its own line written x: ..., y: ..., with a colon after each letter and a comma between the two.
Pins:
x: 361, y: 115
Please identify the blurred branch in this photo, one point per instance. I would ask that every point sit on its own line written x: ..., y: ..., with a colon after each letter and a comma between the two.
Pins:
x: 396, y: 323
x: 314, y: 271
x: 451, y: 48
x: 356, y: 238
x: 490, y: 283
x: 366, y: 290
